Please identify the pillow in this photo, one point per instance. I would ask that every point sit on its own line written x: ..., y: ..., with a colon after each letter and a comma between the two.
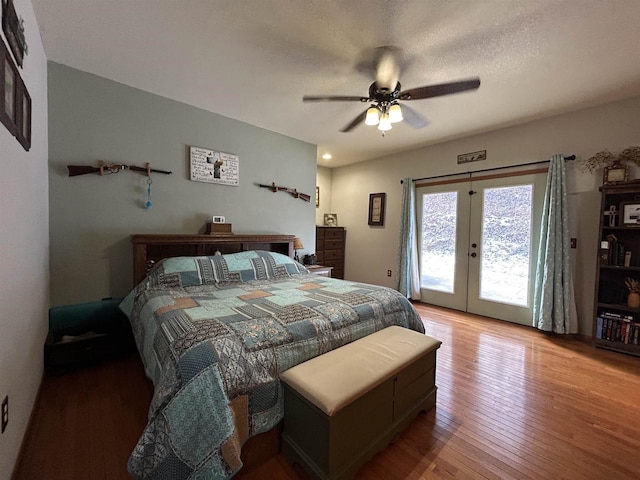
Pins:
x: 234, y: 267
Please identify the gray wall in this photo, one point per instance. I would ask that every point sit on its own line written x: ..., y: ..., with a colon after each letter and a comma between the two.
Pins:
x: 371, y: 251
x: 24, y: 251
x: 323, y: 179
x: 92, y: 217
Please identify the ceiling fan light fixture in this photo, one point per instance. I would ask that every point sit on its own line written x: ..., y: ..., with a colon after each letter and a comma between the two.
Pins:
x: 385, y: 123
x: 373, y: 116
x: 395, y: 113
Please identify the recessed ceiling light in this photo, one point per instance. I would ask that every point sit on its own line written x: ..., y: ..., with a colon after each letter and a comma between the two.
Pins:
x: 327, y: 156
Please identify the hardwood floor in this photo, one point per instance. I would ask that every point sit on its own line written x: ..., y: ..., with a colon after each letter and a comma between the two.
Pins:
x: 513, y: 403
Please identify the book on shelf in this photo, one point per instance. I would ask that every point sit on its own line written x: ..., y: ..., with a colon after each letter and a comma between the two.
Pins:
x: 615, y: 326
x: 620, y: 261
x: 599, y: 328
x: 613, y: 253
x: 604, y: 252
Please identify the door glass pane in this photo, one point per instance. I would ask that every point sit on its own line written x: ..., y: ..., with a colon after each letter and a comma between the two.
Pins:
x: 438, y: 241
x: 506, y: 242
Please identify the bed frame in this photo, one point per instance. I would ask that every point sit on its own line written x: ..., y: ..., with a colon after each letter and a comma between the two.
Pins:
x: 149, y: 249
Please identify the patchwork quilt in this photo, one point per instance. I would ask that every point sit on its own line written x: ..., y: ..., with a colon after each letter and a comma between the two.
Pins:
x: 215, y: 333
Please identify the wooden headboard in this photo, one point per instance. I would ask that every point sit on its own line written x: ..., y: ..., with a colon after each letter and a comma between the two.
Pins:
x: 149, y: 249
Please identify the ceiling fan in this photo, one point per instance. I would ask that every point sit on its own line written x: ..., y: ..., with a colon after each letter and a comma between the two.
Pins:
x: 386, y: 92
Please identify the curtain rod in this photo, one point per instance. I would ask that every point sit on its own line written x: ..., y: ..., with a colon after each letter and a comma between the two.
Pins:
x: 570, y: 157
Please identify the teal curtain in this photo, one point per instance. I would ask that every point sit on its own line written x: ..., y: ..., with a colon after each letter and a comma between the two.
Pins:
x: 408, y: 275
x: 554, y: 305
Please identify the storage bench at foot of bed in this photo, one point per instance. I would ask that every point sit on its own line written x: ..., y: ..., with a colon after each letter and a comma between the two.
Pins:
x: 344, y: 406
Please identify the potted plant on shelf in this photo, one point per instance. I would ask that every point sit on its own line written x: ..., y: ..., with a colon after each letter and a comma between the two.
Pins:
x: 633, y: 299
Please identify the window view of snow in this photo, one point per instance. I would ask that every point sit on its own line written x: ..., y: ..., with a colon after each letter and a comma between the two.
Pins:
x: 439, y: 211
x: 506, y: 244
x: 504, y: 247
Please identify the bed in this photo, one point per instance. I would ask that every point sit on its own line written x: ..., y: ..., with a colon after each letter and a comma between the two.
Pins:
x: 214, y: 334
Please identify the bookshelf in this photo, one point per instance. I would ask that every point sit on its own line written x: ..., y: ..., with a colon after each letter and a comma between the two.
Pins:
x: 617, y: 324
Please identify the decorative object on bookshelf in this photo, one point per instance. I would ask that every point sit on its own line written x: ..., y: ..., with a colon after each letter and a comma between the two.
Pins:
x: 615, y: 173
x: 615, y: 251
x: 630, y: 213
x: 615, y: 167
x: 612, y: 215
x: 633, y: 299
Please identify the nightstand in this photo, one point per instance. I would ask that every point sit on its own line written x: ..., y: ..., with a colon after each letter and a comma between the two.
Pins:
x: 320, y: 270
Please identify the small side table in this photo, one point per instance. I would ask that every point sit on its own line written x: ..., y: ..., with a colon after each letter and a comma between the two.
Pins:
x: 320, y: 270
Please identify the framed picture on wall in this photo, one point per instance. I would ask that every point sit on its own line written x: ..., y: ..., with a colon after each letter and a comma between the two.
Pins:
x: 376, y: 209
x: 13, y: 29
x: 8, y: 84
x: 23, y: 115
x: 15, y: 101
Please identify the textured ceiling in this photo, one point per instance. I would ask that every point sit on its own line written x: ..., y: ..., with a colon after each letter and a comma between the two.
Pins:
x: 253, y: 60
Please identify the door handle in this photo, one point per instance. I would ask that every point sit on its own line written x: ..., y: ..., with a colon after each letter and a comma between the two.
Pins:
x: 473, y: 245
x: 474, y: 254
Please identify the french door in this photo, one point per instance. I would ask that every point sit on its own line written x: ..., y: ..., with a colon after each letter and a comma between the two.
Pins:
x: 478, y: 244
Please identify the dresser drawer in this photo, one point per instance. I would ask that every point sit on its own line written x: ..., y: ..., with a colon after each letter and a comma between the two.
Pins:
x: 333, y: 233
x: 334, y: 244
x: 333, y: 255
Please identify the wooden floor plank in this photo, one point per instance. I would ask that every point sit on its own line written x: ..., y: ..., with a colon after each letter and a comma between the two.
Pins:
x: 513, y: 403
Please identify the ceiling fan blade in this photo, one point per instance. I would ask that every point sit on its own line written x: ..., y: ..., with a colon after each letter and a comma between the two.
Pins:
x: 440, y: 89
x: 333, y: 98
x: 356, y: 121
x: 413, y: 118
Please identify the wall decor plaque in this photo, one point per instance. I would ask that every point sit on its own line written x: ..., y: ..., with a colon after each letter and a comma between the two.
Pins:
x: 472, y: 157
x: 211, y: 166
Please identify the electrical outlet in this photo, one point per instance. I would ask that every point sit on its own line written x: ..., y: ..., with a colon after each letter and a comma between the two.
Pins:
x: 5, y: 413
x: 388, y: 273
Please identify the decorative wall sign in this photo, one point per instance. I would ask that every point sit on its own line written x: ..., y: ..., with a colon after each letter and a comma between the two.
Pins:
x: 376, y: 209
x: 211, y: 166
x: 472, y: 157
x: 13, y: 28
x: 15, y: 102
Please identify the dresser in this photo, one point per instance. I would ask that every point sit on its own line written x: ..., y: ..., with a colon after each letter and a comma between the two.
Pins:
x: 330, y: 246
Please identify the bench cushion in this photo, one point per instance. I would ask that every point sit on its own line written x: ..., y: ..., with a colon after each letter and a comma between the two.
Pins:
x: 333, y: 380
